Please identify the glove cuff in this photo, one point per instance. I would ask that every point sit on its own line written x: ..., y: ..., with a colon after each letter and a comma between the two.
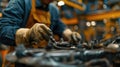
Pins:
x: 67, y: 33
x: 20, y: 36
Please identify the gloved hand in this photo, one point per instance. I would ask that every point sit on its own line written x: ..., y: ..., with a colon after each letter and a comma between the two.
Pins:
x: 34, y: 35
x: 113, y: 46
x: 72, y: 37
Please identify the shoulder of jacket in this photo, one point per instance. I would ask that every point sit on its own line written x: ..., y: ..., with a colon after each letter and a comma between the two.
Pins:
x: 53, y: 6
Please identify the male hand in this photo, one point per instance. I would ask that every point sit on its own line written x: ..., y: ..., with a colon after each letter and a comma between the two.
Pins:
x: 34, y: 35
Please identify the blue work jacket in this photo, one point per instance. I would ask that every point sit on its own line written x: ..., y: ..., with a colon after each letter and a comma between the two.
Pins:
x: 16, y: 14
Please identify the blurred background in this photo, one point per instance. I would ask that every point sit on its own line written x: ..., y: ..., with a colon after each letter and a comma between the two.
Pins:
x: 93, y: 19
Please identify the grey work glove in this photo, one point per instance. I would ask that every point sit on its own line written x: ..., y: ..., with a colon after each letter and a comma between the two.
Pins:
x: 72, y: 37
x: 34, y: 35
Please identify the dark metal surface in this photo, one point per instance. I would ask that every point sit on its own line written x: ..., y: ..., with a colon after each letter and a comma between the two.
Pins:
x: 65, y: 54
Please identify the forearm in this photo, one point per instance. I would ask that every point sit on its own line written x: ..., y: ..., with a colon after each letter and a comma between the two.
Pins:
x: 7, y: 35
x: 58, y: 27
x: 11, y: 21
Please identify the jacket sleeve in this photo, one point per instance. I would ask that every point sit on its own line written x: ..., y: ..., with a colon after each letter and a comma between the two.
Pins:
x: 11, y: 21
x: 57, y: 26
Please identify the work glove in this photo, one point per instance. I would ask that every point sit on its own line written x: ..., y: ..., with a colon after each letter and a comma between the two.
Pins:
x: 72, y: 37
x: 113, y: 46
x: 38, y: 32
